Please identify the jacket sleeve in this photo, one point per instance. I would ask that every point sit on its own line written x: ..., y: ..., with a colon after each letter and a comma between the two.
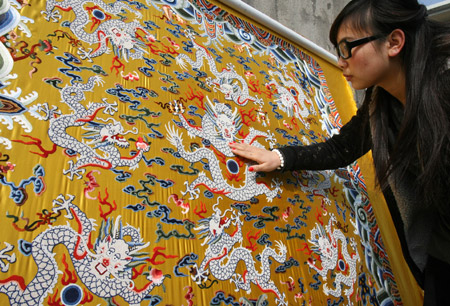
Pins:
x: 352, y: 142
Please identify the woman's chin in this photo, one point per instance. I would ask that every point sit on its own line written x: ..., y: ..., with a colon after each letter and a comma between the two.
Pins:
x: 357, y: 86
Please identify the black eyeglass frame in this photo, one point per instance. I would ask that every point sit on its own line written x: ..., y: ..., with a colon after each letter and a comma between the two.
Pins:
x: 349, y: 45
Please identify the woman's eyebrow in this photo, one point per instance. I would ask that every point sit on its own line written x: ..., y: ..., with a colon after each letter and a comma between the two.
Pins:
x: 349, y: 38
x: 346, y: 39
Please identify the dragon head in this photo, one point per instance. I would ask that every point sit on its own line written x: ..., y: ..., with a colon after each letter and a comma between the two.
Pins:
x: 125, y: 43
x: 114, y: 255
x: 321, y: 241
x: 212, y: 228
x: 104, y: 134
x: 227, y: 123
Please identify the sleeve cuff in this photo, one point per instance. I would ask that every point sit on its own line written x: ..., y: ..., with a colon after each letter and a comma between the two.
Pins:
x: 281, y: 156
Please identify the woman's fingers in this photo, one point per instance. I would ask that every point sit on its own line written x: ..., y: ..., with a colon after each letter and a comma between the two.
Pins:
x: 245, y: 150
x: 265, y: 160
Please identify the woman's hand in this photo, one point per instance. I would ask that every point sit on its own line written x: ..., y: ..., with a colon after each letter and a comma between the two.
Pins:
x: 266, y: 160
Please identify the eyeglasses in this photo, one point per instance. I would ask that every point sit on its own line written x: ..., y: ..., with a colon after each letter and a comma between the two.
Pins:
x: 344, y: 48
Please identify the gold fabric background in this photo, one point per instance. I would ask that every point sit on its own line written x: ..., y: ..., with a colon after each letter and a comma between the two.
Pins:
x: 117, y: 185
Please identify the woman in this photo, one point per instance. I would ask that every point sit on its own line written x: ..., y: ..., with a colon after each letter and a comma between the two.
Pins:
x: 393, y: 50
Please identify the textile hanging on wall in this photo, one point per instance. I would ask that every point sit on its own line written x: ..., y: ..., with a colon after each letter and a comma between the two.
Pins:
x: 117, y: 183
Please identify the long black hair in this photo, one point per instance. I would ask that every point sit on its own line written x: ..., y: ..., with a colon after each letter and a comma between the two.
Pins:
x: 423, y: 142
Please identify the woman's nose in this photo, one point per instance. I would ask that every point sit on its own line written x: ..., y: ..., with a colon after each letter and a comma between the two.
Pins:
x: 341, y: 62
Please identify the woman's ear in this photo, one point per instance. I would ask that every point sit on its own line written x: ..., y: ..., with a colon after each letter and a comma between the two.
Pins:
x: 396, y: 41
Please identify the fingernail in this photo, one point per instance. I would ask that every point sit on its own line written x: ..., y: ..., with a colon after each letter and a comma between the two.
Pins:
x: 250, y: 169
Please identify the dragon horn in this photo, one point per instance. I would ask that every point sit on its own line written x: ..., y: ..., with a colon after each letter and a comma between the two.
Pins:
x: 134, y: 131
x: 117, y: 228
x: 107, y: 120
x: 137, y: 248
x: 212, y: 106
x: 234, y: 115
x: 214, y: 206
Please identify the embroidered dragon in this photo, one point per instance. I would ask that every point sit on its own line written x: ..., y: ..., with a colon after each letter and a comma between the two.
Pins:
x: 220, y: 126
x: 122, y: 35
x: 103, y: 137
x: 222, y: 257
x: 332, y: 247
x: 226, y: 81
x: 105, y: 271
x: 291, y: 98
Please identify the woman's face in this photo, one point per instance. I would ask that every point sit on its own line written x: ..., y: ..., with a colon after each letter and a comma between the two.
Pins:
x: 369, y: 63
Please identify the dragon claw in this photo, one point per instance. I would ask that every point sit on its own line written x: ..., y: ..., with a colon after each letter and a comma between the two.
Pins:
x: 61, y: 203
x: 85, y: 54
x: 110, y: 108
x: 74, y: 171
x: 193, y: 192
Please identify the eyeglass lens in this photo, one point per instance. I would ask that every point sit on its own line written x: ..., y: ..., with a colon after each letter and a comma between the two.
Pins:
x: 343, y: 50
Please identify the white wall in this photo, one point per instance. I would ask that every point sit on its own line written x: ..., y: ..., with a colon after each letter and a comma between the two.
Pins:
x: 310, y: 18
